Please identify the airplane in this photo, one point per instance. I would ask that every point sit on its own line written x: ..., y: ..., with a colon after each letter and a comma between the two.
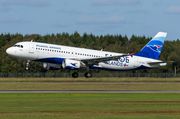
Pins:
x: 73, y: 58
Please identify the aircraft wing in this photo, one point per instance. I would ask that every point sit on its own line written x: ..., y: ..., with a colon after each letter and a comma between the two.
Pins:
x: 96, y: 60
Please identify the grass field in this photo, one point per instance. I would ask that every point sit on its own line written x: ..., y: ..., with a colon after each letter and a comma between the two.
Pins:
x: 136, y: 79
x: 90, y: 106
x: 89, y: 84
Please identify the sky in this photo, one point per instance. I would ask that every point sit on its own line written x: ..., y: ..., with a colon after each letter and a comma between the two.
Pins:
x: 97, y: 17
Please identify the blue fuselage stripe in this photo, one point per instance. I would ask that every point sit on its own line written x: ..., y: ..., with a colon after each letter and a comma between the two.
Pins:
x: 51, y: 60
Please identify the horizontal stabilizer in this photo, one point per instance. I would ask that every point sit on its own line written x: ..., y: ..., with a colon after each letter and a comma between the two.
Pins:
x: 159, y: 64
x: 154, y: 63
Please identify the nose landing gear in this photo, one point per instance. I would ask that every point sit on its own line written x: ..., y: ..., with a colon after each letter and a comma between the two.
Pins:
x: 27, y: 64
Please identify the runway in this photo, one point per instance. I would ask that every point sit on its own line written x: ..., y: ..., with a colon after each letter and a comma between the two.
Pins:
x: 84, y: 91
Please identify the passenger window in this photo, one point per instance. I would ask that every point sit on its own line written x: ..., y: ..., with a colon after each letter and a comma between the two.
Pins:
x: 21, y: 46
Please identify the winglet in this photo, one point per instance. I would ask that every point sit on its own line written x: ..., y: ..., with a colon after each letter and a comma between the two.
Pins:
x: 154, y: 47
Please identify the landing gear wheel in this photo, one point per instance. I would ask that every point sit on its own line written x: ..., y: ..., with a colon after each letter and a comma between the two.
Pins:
x: 26, y: 68
x: 27, y: 64
x: 75, y: 75
x: 88, y: 75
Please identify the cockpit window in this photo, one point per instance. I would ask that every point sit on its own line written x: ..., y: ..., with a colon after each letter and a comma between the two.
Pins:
x: 20, y: 46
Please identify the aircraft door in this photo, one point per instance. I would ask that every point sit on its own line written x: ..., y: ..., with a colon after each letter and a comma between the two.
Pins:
x: 31, y: 47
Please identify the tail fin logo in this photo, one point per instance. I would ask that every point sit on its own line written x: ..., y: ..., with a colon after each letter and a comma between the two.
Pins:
x: 155, y: 47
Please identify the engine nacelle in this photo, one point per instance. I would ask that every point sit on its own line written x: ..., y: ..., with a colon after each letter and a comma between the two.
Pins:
x: 51, y: 66
x: 71, y: 64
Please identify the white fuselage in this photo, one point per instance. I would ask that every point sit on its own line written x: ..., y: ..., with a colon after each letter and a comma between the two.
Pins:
x: 51, y: 53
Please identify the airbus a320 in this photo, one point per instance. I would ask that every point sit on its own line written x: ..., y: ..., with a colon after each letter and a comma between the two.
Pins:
x: 57, y: 56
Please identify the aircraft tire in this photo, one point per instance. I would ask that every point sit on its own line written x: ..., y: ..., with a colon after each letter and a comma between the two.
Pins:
x: 26, y: 68
x: 88, y: 75
x: 75, y: 75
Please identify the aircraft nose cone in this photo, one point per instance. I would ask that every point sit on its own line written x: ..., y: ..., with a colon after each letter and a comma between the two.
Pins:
x: 9, y: 51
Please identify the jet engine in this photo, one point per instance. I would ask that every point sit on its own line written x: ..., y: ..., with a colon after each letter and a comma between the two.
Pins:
x: 51, y: 66
x: 71, y: 64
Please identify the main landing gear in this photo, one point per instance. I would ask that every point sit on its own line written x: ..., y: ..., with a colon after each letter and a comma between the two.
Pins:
x: 75, y: 75
x: 87, y: 74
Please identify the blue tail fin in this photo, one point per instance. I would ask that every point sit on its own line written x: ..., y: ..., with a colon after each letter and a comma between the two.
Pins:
x: 154, y: 47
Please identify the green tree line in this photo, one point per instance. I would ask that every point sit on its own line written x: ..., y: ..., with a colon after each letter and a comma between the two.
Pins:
x: 113, y: 43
